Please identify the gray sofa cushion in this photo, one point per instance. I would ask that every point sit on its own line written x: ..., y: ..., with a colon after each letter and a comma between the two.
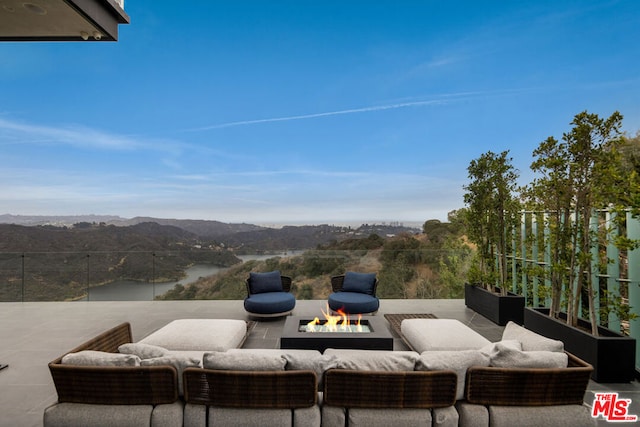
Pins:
x: 535, y: 416
x: 318, y: 364
x: 367, y: 417
x: 445, y: 417
x: 295, y: 360
x: 100, y: 358
x: 243, y: 417
x: 373, y: 360
x: 471, y: 415
x: 143, y: 351
x: 531, y: 341
x: 491, y: 348
x: 249, y: 361
x: 83, y: 415
x: 307, y: 417
x: 180, y: 362
x: 195, y: 415
x: 458, y: 361
x: 508, y: 357
x: 168, y: 415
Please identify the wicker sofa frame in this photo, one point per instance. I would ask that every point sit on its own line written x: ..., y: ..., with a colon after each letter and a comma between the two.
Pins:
x: 250, y: 389
x: 529, y: 387
x: 389, y: 390
x: 108, y: 385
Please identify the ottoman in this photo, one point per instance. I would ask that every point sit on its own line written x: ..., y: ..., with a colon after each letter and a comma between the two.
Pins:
x: 199, y: 335
x: 440, y: 335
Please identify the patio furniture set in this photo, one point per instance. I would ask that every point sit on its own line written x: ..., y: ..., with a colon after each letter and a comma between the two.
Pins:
x: 193, y: 372
x: 268, y: 294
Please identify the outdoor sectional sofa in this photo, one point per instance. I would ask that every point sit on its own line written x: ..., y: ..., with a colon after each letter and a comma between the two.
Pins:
x: 230, y: 386
x: 525, y: 379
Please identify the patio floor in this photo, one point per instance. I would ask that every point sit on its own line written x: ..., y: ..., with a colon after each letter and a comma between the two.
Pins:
x: 34, y: 333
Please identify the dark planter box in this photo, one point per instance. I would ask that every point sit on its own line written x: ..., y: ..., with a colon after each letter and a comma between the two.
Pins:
x: 500, y: 309
x: 612, y: 354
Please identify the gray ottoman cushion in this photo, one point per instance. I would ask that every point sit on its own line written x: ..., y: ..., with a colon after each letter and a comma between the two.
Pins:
x: 441, y: 334
x: 199, y: 334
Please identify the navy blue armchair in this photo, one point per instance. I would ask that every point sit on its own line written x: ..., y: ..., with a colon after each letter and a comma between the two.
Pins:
x: 268, y: 295
x: 354, y: 293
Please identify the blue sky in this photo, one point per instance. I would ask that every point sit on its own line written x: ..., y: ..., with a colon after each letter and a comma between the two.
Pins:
x: 303, y: 111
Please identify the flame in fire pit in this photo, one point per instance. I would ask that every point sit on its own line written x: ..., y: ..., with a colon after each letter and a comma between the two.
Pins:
x: 339, y: 323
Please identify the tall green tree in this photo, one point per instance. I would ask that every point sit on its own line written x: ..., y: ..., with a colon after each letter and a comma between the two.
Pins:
x: 492, y: 208
x: 579, y: 174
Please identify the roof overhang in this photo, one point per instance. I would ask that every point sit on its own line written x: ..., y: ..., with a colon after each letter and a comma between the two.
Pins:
x: 61, y: 20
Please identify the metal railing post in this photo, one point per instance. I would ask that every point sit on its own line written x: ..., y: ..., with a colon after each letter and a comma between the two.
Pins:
x: 633, y: 233
x: 613, y: 267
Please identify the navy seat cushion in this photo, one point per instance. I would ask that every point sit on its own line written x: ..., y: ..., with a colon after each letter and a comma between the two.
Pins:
x: 353, y: 302
x: 265, y: 282
x: 359, y: 282
x: 270, y: 303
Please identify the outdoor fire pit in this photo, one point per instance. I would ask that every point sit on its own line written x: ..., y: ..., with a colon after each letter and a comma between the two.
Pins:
x: 365, y: 332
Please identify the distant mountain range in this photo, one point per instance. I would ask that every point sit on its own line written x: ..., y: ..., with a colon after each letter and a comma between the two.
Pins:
x: 202, y: 228
x: 244, y: 238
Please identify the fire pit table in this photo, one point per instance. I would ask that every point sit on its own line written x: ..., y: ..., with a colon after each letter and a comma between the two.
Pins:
x: 370, y: 334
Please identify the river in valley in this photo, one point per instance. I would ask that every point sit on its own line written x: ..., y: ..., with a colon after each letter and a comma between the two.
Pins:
x: 130, y: 290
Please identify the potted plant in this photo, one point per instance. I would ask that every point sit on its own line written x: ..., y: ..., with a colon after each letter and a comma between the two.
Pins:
x: 578, y: 175
x: 492, y: 208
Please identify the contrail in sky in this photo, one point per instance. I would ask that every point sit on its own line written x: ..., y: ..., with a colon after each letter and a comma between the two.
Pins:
x: 328, y: 113
x: 441, y: 101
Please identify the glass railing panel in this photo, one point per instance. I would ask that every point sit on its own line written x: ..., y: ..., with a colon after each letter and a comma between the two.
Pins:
x: 11, y: 276
x: 54, y: 276
x: 144, y: 275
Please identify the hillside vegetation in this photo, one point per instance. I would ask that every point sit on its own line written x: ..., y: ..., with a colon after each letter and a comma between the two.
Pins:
x: 429, y: 265
x: 58, y: 263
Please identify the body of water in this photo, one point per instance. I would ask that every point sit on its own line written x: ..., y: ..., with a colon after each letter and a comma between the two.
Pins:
x: 130, y: 290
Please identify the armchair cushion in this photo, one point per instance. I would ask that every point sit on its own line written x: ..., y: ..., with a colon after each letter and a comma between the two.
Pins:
x: 270, y: 302
x: 265, y: 282
x: 359, y: 282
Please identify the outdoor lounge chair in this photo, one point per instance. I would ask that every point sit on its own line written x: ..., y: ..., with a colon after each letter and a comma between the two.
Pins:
x: 268, y: 295
x: 354, y: 293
